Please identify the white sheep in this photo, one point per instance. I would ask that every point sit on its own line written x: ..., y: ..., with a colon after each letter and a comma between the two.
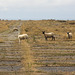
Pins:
x: 49, y: 35
x: 22, y: 37
x: 69, y: 35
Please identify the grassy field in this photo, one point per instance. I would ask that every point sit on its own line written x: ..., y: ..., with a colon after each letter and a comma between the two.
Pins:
x: 39, y: 56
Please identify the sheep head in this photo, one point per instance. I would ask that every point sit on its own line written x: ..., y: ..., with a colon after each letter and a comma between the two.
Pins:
x: 43, y: 32
x: 67, y: 32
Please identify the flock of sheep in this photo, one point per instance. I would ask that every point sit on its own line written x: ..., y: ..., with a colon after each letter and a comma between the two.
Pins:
x: 52, y: 35
x: 46, y: 35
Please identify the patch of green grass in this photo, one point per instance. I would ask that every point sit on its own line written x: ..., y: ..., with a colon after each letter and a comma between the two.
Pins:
x: 55, y: 54
x: 56, y: 64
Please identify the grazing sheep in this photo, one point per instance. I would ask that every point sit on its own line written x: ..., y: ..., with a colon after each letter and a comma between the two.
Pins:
x: 22, y: 37
x: 49, y: 35
x: 15, y: 29
x: 69, y: 35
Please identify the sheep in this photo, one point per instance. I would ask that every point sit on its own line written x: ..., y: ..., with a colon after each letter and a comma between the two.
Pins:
x: 69, y: 35
x: 49, y: 35
x: 22, y: 37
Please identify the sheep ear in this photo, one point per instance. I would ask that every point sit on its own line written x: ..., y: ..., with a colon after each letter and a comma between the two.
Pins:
x: 42, y: 31
x: 67, y: 32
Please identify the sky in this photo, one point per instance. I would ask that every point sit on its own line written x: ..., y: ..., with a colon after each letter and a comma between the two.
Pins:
x: 37, y: 9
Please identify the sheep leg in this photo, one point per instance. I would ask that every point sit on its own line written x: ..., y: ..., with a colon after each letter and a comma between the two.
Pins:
x: 45, y: 38
x: 69, y: 37
x: 19, y: 41
x: 53, y: 38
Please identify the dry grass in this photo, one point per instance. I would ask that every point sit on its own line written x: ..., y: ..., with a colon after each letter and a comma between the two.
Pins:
x: 2, y: 40
x: 60, y: 73
x: 27, y: 57
x: 61, y: 47
x: 36, y: 49
x: 6, y: 24
x: 27, y: 54
x: 35, y: 28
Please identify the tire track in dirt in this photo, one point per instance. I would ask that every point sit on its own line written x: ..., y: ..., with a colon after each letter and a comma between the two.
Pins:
x: 51, y: 58
x: 10, y: 52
